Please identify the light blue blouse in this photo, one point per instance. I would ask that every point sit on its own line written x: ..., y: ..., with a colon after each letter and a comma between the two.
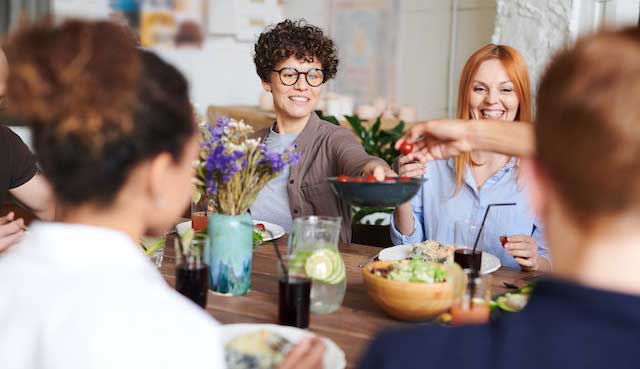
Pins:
x: 436, y: 208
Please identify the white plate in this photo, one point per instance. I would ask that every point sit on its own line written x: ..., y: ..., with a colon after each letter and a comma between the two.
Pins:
x: 333, y: 355
x: 490, y: 262
x: 276, y: 230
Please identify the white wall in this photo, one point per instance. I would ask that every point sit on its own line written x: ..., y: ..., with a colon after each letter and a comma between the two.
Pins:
x: 537, y: 28
x: 436, y: 38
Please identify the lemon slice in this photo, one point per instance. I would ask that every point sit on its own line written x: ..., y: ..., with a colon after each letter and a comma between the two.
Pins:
x: 325, y: 265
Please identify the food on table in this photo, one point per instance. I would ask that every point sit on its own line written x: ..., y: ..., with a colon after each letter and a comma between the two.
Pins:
x: 258, y: 236
x: 432, y: 251
x: 259, y: 233
x: 416, y: 270
x: 514, y: 301
x: 371, y: 179
x: 261, y: 349
x: 406, y: 148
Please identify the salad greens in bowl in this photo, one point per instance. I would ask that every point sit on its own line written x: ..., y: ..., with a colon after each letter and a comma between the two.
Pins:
x: 413, y: 289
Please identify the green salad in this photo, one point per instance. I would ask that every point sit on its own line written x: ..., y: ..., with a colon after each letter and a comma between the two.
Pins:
x: 415, y: 270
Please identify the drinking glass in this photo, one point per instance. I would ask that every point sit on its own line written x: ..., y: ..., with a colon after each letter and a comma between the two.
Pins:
x: 192, y: 271
x: 154, y: 249
x: 294, y: 289
x: 315, y: 240
x: 200, y: 211
x: 473, y: 306
x: 465, y: 234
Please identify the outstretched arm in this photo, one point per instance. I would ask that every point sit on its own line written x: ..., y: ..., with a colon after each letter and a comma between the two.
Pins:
x: 442, y: 139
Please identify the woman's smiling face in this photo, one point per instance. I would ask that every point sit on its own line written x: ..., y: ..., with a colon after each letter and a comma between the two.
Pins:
x: 300, y: 99
x: 492, y: 94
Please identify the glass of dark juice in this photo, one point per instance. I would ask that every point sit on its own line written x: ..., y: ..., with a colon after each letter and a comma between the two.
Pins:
x: 465, y: 236
x: 192, y: 271
x: 467, y: 258
x: 294, y: 291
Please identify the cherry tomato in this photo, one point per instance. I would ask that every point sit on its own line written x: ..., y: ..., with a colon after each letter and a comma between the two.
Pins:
x: 405, y: 179
x: 358, y: 179
x: 343, y: 179
x: 260, y: 226
x: 371, y: 178
x: 406, y: 148
x: 503, y: 240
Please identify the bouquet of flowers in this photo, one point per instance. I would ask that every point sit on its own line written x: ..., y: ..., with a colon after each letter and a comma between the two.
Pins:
x: 233, y: 168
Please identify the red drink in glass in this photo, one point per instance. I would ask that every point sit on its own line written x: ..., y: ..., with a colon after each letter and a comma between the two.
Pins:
x: 199, y: 220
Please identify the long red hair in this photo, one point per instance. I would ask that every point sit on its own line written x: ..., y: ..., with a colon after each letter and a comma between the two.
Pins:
x: 517, y: 71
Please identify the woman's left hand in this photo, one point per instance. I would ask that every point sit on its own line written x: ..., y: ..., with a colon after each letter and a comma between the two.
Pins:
x: 524, y: 250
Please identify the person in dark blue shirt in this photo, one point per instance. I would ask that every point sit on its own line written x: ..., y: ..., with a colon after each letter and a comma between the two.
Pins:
x: 584, y: 183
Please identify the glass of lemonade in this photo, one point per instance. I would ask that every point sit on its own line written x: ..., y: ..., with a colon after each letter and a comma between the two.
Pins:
x: 314, y: 244
x: 473, y: 306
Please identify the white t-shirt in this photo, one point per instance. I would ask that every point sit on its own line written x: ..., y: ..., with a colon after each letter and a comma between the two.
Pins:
x: 76, y: 296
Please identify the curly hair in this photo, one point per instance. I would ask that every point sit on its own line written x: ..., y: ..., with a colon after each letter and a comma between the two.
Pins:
x: 298, y: 38
x: 97, y: 105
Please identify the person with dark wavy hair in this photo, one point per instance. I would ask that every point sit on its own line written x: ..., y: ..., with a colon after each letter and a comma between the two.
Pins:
x: 114, y: 128
x: 294, y: 59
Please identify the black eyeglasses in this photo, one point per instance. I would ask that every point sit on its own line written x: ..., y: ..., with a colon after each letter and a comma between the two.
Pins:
x: 289, y: 76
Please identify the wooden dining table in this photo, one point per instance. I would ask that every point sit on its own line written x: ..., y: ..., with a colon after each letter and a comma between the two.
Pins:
x: 351, y: 327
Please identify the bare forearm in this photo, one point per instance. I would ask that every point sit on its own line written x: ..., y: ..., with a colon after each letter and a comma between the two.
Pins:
x: 507, y: 138
x: 37, y: 196
x: 403, y: 218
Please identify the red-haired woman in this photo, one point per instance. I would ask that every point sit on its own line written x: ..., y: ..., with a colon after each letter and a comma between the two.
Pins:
x: 494, y: 85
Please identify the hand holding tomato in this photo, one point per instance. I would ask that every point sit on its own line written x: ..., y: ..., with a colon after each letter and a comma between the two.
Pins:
x: 406, y: 148
x: 412, y: 165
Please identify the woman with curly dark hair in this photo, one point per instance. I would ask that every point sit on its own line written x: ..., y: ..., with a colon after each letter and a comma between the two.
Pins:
x: 294, y: 59
x: 113, y: 127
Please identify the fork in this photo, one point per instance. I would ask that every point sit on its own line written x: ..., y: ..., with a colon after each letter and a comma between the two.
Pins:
x: 368, y: 260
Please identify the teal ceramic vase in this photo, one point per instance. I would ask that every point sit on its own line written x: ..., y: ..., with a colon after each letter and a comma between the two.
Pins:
x: 231, y: 253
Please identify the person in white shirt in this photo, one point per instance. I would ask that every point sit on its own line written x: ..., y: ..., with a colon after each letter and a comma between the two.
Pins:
x: 114, y: 130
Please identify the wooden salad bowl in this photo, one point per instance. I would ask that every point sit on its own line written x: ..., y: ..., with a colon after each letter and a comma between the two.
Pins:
x: 413, y: 300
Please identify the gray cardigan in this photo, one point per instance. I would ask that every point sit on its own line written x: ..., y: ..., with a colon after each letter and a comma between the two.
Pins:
x: 327, y: 151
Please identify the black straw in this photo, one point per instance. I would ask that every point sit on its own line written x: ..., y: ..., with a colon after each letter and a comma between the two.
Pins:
x: 475, y: 244
x: 284, y: 268
x: 180, y: 245
x: 475, y: 272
